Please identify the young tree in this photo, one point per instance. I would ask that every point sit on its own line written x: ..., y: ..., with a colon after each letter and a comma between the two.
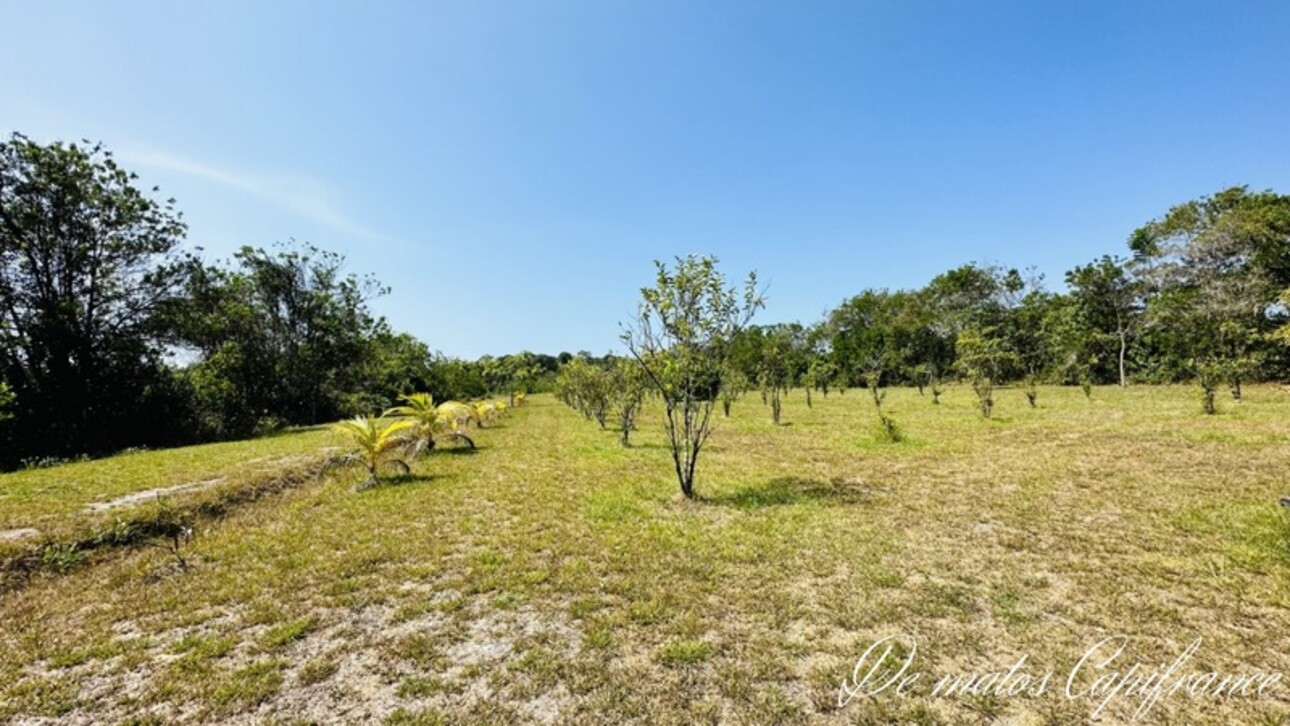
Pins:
x: 628, y: 386
x: 377, y: 442
x: 981, y: 358
x: 681, y: 337
x: 886, y: 424
x: 779, y: 360
x: 734, y: 384
x: 588, y: 389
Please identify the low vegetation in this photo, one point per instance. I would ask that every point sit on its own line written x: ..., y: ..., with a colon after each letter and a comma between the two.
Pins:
x: 557, y: 576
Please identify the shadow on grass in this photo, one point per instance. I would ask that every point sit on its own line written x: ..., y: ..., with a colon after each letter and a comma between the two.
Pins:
x: 790, y: 490
x: 648, y: 446
x: 399, y: 480
x: 462, y: 450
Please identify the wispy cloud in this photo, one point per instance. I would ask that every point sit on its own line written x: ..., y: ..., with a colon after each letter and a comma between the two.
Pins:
x: 302, y: 195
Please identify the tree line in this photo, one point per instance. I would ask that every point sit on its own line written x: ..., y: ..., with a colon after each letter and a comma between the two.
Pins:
x: 1200, y: 294
x: 114, y: 335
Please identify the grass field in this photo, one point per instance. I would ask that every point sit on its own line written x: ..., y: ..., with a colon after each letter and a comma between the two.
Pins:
x: 83, y: 500
x: 554, y: 576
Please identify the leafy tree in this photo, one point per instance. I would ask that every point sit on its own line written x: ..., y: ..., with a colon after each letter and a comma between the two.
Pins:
x: 1213, y: 267
x: 1108, y: 303
x: 587, y: 388
x: 88, y: 262
x: 682, y: 337
x: 734, y: 384
x: 628, y: 387
x: 820, y: 368
x: 6, y: 400
x: 395, y: 363
x: 1282, y: 333
x: 510, y: 374
x: 982, y: 356
x: 286, y: 336
x: 864, y: 336
x: 451, y: 378
x: 780, y: 356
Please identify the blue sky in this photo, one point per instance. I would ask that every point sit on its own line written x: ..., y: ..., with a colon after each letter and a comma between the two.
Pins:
x: 512, y: 168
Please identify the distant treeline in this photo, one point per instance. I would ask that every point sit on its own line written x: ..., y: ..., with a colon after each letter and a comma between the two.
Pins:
x: 1201, y: 294
x: 114, y: 336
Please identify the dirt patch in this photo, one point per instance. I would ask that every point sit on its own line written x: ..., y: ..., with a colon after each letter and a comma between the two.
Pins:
x: 12, y: 535
x: 134, y: 498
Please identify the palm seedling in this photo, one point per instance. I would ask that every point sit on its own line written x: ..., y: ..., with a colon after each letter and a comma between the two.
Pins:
x: 484, y: 412
x: 377, y: 442
x: 431, y: 421
x: 454, y: 416
x: 488, y: 411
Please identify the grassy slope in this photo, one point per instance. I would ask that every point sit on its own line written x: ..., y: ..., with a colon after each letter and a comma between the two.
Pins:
x: 554, y: 575
x: 33, y: 497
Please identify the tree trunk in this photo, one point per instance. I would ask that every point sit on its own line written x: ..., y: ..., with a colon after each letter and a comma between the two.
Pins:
x: 1124, y: 381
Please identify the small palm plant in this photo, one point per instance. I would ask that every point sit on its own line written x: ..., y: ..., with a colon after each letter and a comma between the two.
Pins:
x: 446, y: 419
x: 377, y: 441
x: 488, y: 411
x: 420, y: 409
x: 454, y: 416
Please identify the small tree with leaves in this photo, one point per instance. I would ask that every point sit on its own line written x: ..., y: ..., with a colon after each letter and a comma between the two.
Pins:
x: 681, y: 337
x: 628, y: 387
x: 776, y: 366
x: 734, y: 384
x: 886, y: 424
x: 588, y: 389
x: 981, y: 359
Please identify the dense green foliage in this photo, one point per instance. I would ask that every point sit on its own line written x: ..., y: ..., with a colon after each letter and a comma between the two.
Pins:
x: 131, y: 341
x: 1201, y: 297
x: 88, y: 266
x: 112, y: 336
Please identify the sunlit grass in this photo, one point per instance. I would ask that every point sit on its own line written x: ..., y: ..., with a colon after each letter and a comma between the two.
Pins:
x: 32, y: 497
x: 555, y: 576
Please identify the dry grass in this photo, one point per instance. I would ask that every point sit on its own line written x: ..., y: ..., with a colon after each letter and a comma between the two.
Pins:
x: 555, y: 577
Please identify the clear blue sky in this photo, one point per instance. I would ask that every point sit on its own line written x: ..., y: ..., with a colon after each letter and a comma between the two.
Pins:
x: 512, y: 168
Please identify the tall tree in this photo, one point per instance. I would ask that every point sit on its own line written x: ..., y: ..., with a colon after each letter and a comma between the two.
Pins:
x: 1108, y: 303
x: 282, y: 336
x: 87, y: 263
x: 1213, y: 268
